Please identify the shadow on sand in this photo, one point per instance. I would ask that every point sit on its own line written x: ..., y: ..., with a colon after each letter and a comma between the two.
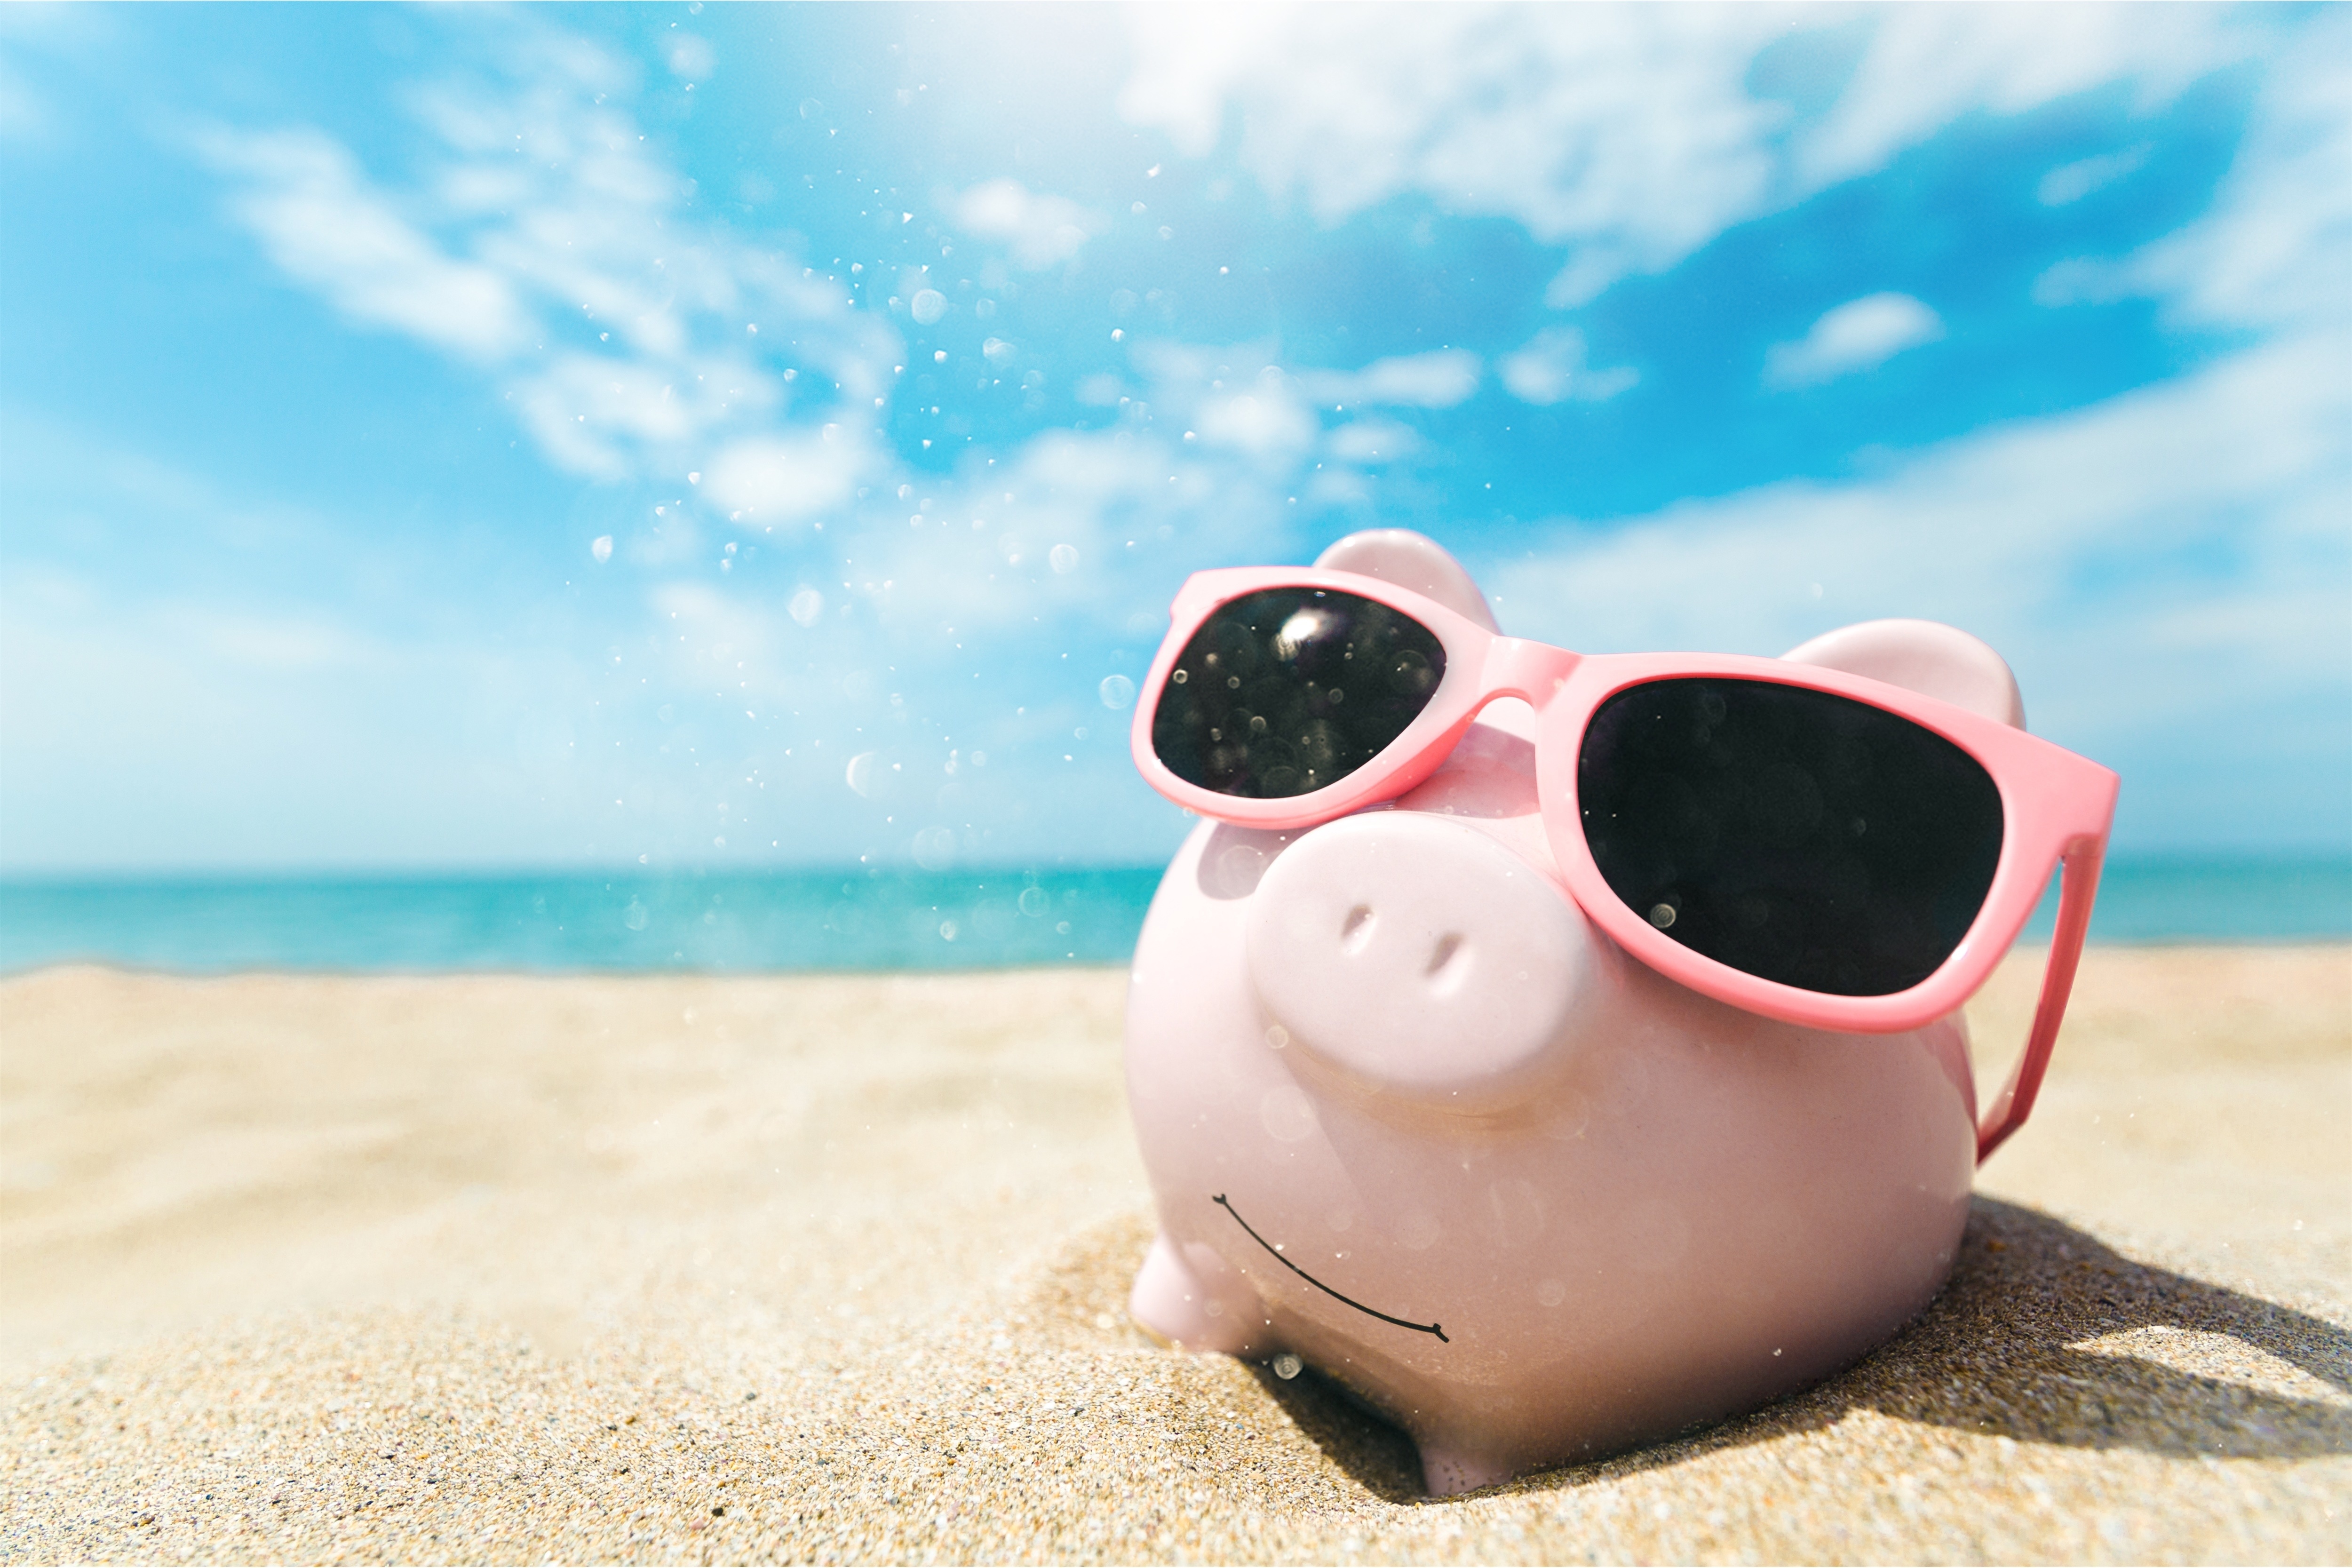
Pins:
x: 1997, y: 1354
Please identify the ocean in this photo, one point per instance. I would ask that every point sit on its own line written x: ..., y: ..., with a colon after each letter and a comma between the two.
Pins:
x: 862, y: 919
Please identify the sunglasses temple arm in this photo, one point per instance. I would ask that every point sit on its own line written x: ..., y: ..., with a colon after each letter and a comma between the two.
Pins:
x: 2076, y: 890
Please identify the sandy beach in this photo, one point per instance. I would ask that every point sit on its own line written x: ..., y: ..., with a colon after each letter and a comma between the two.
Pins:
x: 835, y: 1268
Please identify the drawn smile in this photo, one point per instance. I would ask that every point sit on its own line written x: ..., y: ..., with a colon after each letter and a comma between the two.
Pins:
x: 1219, y: 1199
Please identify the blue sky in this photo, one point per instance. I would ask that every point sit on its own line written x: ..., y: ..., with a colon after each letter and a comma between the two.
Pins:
x: 472, y: 438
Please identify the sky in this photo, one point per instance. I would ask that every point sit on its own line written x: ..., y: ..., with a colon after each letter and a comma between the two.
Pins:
x: 736, y: 436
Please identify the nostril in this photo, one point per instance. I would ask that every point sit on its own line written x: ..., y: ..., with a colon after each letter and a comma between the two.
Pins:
x: 1443, y: 953
x: 1356, y: 931
x: 1450, y: 965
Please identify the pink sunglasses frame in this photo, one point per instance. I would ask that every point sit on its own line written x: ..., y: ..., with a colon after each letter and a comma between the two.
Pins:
x: 2056, y: 806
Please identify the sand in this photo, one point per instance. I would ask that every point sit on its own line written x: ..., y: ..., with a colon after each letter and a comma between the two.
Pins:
x: 830, y: 1269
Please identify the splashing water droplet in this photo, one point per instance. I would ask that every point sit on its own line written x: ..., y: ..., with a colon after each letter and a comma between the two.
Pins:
x: 929, y: 305
x: 1034, y: 902
x: 1117, y: 690
x: 635, y: 916
x: 805, y: 606
x: 1065, y: 558
x: 1287, y: 1366
x: 602, y: 549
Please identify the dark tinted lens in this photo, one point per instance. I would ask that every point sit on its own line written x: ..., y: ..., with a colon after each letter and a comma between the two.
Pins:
x: 1793, y: 835
x: 1282, y: 692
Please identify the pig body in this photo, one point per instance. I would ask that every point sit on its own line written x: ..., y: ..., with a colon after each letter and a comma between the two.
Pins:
x: 1410, y: 1116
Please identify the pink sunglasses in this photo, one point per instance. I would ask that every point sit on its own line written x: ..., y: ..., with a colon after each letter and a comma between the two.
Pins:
x: 1805, y: 844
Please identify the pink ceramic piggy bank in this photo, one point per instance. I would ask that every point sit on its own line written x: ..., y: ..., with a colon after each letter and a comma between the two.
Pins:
x: 1411, y: 1117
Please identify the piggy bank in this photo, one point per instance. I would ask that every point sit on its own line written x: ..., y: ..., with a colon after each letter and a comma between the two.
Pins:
x: 1410, y: 1116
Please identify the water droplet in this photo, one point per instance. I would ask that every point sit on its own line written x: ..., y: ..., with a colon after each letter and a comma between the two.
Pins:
x: 935, y: 848
x: 1034, y: 902
x: 1287, y: 1366
x: 805, y: 606
x: 1065, y: 558
x: 1662, y: 915
x: 634, y: 916
x: 860, y: 774
x: 929, y: 305
x: 602, y: 549
x: 997, y: 352
x: 1117, y: 692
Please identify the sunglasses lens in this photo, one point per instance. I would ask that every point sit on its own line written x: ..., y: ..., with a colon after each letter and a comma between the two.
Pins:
x: 1792, y: 834
x: 1282, y: 692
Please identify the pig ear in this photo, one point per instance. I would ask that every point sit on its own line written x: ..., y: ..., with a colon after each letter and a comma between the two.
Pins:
x: 1413, y: 560
x: 1926, y: 657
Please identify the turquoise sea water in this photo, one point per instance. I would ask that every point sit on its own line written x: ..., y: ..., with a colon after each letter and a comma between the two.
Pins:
x: 855, y: 921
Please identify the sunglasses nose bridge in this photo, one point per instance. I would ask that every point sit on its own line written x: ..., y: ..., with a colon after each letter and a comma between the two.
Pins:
x: 1531, y: 671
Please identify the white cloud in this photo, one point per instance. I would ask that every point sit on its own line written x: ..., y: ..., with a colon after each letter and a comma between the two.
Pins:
x: 1373, y: 441
x: 787, y: 479
x: 1622, y: 131
x: 309, y: 206
x: 1439, y: 379
x: 1860, y: 334
x: 602, y: 415
x: 1552, y: 368
x: 1040, y: 231
x: 1628, y: 135
x: 2083, y: 280
x: 1264, y: 423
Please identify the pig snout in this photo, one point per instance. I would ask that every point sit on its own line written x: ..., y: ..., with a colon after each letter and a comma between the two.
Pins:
x: 1418, y: 956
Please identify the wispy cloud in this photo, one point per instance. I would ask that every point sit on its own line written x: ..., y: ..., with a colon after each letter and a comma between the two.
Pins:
x: 1439, y: 379
x: 1860, y: 334
x: 305, y: 200
x: 2276, y: 246
x: 1926, y: 65
x: 1550, y: 369
x: 546, y: 246
x: 1630, y: 136
x: 2069, y: 182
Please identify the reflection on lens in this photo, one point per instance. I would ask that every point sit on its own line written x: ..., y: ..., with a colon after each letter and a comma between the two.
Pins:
x: 1282, y: 692
x: 1793, y: 835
